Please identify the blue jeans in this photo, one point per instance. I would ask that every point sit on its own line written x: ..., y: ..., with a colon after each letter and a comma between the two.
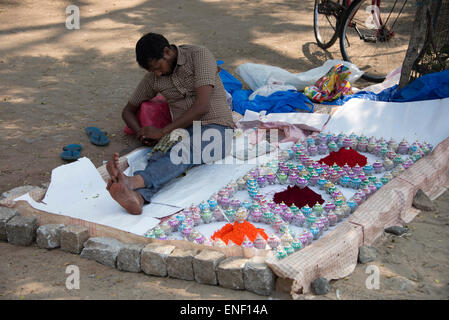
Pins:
x: 161, y: 169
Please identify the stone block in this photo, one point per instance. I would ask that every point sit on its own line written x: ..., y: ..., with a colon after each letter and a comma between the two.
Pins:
x: 258, y: 277
x: 17, y: 192
x: 6, y: 214
x: 180, y: 264
x: 73, y: 238
x: 103, y: 250
x: 398, y: 283
x: 320, y: 286
x: 367, y: 254
x: 230, y: 273
x: 396, y: 230
x: 205, y: 266
x: 21, y: 230
x: 153, y: 259
x: 128, y: 258
x: 422, y: 201
x: 49, y: 236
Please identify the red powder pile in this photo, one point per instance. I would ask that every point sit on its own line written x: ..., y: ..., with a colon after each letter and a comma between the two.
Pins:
x: 300, y: 197
x: 237, y: 231
x: 344, y: 156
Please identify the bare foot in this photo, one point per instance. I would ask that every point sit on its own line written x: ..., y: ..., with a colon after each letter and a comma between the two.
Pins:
x: 132, y: 182
x: 130, y: 200
x: 110, y: 182
x: 112, y: 167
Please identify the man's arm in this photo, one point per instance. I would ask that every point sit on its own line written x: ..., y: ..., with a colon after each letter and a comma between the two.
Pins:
x: 144, y: 91
x: 129, y: 115
x: 199, y: 108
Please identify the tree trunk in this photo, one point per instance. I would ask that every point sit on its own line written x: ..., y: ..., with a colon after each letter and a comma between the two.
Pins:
x: 417, y: 38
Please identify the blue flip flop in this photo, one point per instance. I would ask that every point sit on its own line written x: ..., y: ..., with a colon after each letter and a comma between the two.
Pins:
x: 97, y: 137
x: 73, y: 146
x: 71, y: 152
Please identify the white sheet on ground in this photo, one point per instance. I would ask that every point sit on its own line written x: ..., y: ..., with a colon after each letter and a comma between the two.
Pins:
x: 418, y: 120
x: 78, y: 191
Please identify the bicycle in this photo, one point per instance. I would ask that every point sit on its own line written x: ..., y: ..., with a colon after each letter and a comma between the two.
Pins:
x: 374, y: 34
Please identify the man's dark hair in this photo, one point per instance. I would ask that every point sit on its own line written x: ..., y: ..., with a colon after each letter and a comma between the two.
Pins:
x: 150, y: 46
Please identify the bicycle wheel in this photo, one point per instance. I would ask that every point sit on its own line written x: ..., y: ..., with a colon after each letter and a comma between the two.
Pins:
x: 375, y: 35
x: 325, y: 19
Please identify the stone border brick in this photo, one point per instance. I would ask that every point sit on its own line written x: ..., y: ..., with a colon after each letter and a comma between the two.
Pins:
x: 103, y: 250
x: 153, y: 259
x: 205, y: 266
x: 230, y: 273
x: 73, y: 238
x: 258, y: 277
x: 6, y: 214
x: 49, y: 236
x: 128, y: 258
x: 21, y: 230
x: 180, y: 264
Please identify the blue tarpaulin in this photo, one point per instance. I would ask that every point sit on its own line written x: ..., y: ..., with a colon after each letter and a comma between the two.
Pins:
x: 428, y: 87
x: 277, y: 102
x: 230, y: 82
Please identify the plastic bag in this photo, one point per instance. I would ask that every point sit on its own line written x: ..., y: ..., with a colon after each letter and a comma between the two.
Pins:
x: 331, y: 86
x: 155, y: 112
x: 272, y: 86
x: 257, y: 75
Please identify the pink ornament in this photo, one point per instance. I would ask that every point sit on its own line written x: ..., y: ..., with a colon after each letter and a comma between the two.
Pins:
x: 302, y: 182
x: 256, y: 215
x: 329, y: 206
x: 273, y: 241
x: 247, y: 243
x: 283, y: 206
x: 288, y: 215
x: 332, y: 219
x: 260, y: 242
x: 174, y: 223
x: 298, y: 219
x: 236, y: 203
x: 278, y: 224
x: 377, y: 166
x: 218, y: 214
x: 362, y: 146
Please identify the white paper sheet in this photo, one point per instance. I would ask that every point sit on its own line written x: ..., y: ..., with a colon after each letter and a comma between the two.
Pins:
x: 419, y: 120
x: 77, y: 190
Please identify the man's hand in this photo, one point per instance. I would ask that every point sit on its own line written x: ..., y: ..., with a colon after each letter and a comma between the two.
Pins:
x: 149, y: 132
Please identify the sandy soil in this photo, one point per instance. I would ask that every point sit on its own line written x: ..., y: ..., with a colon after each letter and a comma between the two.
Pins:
x: 411, y: 266
x: 34, y: 273
x: 55, y: 82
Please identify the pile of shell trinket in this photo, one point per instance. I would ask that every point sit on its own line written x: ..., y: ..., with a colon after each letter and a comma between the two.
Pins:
x: 293, y: 228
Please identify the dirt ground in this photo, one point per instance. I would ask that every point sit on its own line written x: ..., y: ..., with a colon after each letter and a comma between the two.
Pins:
x: 55, y: 82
